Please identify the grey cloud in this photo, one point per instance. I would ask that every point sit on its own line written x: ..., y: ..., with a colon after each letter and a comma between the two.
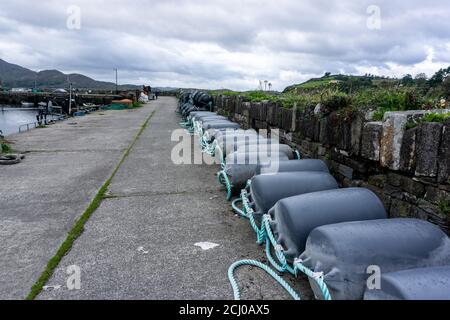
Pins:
x: 222, y: 43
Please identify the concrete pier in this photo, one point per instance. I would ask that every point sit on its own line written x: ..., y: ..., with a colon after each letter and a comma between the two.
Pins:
x: 141, y: 242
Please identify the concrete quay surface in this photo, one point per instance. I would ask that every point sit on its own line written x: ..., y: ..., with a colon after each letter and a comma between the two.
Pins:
x: 142, y: 242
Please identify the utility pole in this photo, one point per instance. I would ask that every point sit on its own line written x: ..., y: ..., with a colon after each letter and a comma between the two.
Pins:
x: 117, y: 80
x: 70, y: 95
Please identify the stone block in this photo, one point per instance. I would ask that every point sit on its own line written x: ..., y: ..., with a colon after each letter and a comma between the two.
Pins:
x: 413, y: 187
x: 371, y: 140
x: 436, y: 195
x: 428, y: 140
x: 356, y: 129
x: 323, y: 129
x: 378, y: 180
x: 400, y: 209
x: 408, y: 151
x: 346, y: 171
x: 344, y: 135
x: 394, y: 179
x: 444, y: 155
x: 394, y: 127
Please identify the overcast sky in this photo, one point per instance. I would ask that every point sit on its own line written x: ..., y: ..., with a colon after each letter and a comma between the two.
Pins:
x: 226, y: 43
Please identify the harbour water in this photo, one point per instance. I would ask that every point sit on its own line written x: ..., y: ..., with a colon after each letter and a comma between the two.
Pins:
x: 11, y: 118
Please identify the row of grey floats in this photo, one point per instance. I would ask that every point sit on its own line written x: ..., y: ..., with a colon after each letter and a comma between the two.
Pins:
x: 339, y: 234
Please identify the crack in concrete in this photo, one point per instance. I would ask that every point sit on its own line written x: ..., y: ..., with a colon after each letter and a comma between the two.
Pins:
x: 73, y: 151
x: 155, y: 193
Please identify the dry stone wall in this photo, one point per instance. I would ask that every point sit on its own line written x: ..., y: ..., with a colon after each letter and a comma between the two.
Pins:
x: 407, y: 167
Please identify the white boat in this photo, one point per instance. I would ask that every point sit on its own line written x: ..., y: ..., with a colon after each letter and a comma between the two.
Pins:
x: 27, y: 104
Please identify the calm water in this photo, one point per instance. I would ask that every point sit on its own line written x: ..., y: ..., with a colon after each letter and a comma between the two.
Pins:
x: 11, y: 118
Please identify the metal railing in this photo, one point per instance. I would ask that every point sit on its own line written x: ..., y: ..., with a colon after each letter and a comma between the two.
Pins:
x: 34, y: 124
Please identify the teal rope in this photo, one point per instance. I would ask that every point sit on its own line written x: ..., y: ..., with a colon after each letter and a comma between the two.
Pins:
x: 317, y: 277
x: 238, y: 211
x: 238, y: 264
x: 223, y: 175
x: 265, y: 234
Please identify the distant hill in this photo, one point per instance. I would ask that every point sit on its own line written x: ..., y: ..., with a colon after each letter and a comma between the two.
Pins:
x: 329, y: 80
x: 14, y: 76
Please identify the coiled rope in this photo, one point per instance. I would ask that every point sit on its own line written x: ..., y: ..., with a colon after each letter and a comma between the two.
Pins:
x: 265, y: 235
x: 238, y: 264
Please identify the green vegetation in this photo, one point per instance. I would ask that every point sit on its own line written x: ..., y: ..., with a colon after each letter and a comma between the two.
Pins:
x: 431, y: 117
x: 436, y: 117
x: 5, y: 147
x: 136, y: 105
x: 347, y: 94
x: 78, y: 228
x: 444, y: 207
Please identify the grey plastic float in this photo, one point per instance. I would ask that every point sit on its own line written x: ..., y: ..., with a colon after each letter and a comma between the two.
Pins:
x: 298, y: 166
x: 239, y: 173
x: 206, y: 117
x: 415, y: 284
x: 343, y: 252
x: 213, y: 134
x: 294, y: 218
x: 250, y: 145
x: 220, y: 124
x: 267, y: 147
x: 195, y: 114
x: 267, y: 189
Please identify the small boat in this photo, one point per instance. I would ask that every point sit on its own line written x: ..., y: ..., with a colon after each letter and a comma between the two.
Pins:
x: 91, y: 106
x: 27, y: 104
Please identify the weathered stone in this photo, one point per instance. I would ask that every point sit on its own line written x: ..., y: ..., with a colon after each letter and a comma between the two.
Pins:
x: 344, y: 135
x: 444, y: 155
x: 394, y: 179
x: 428, y: 207
x: 413, y: 187
x: 346, y: 171
x: 305, y: 126
x: 323, y: 127
x: 371, y: 139
x: 287, y: 119
x: 321, y: 151
x: 391, y: 140
x: 436, y: 195
x: 378, y: 180
x: 316, y: 126
x: 356, y: 134
x: 297, y: 138
x: 394, y: 127
x: 318, y: 109
x: 406, y: 184
x: 400, y: 209
x: 408, y: 151
x: 272, y: 114
x: 419, y: 213
x: 260, y: 125
x: 428, y: 140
